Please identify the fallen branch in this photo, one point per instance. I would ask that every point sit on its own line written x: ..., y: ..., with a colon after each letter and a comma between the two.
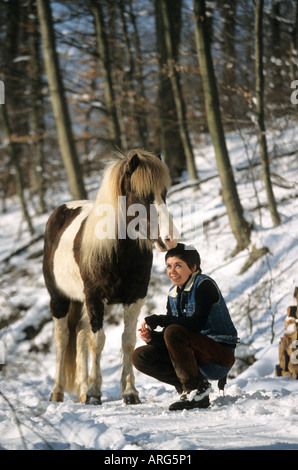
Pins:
x: 22, y: 248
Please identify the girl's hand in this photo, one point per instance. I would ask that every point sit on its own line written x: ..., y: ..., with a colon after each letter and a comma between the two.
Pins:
x: 145, y: 332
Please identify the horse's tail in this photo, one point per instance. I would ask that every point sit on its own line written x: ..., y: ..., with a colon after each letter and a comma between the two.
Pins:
x: 74, y: 315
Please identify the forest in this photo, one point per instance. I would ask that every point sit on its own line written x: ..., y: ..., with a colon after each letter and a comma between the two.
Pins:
x: 211, y: 86
x: 82, y: 78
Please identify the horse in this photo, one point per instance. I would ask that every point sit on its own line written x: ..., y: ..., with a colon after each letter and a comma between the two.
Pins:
x: 98, y: 254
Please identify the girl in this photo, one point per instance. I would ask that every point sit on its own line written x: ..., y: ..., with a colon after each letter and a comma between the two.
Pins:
x: 198, y: 338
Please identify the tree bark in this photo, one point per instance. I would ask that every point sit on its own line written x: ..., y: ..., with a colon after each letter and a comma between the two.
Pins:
x: 113, y: 124
x: 13, y: 126
x: 294, y: 44
x: 240, y: 227
x: 177, y: 92
x: 170, y: 140
x: 260, y: 110
x: 15, y: 161
x: 134, y: 74
x: 37, y: 105
x: 60, y: 108
x: 229, y: 41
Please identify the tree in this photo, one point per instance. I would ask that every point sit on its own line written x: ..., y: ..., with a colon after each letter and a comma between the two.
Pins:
x: 240, y: 227
x: 170, y: 139
x: 228, y: 33
x: 176, y: 88
x: 13, y: 125
x: 38, y: 125
x: 259, y: 4
x: 60, y: 108
x: 105, y: 61
x: 294, y: 43
x: 16, y: 164
x: 134, y: 72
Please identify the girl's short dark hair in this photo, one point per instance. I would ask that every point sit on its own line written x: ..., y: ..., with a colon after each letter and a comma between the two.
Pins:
x: 187, y: 253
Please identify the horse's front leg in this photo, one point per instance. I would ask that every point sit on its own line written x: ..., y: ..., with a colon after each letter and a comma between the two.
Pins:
x: 95, y: 308
x: 131, y: 313
x: 83, y: 332
x: 61, y: 338
x: 97, y: 341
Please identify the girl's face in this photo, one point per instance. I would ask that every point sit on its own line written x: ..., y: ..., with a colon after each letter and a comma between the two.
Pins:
x: 178, y: 271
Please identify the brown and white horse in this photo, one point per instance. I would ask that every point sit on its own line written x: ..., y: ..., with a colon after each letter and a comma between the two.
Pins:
x: 97, y: 254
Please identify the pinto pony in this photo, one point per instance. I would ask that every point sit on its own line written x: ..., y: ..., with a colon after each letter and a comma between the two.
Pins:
x: 97, y: 254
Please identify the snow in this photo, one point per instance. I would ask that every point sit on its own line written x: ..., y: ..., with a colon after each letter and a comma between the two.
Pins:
x: 258, y: 411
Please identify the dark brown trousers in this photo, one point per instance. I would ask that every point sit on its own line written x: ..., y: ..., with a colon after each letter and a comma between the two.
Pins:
x: 177, y: 360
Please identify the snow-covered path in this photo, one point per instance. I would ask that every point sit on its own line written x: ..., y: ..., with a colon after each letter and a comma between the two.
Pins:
x: 258, y: 411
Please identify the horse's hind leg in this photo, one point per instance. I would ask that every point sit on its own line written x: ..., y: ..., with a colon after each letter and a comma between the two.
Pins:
x: 61, y: 337
x: 131, y: 313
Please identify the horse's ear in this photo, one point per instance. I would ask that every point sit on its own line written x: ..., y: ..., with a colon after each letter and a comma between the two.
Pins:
x: 133, y: 163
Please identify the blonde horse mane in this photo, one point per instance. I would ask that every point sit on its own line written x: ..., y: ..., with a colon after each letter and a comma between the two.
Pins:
x: 151, y: 175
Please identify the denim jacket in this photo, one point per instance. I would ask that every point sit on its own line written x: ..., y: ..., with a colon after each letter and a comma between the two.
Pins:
x: 219, y: 325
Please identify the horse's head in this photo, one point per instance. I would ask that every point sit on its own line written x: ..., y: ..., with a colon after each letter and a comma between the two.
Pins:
x: 144, y: 183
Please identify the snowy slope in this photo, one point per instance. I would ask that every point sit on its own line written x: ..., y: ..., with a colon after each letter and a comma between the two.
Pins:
x: 258, y: 411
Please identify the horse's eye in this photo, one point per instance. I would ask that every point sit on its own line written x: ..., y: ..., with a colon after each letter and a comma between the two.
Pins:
x: 150, y: 198
x: 164, y: 195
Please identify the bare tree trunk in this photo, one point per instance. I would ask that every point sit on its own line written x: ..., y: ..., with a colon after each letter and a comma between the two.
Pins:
x: 134, y: 75
x: 260, y: 110
x: 240, y: 227
x: 114, y: 127
x: 170, y: 140
x: 142, y: 112
x: 13, y: 125
x: 15, y: 161
x: 177, y: 93
x: 60, y: 108
x: 294, y: 44
x: 228, y: 33
x: 37, y: 105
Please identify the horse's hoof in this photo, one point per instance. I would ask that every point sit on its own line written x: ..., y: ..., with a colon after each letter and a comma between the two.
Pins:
x: 57, y: 396
x: 84, y: 398
x: 94, y: 400
x: 90, y: 400
x: 131, y: 399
